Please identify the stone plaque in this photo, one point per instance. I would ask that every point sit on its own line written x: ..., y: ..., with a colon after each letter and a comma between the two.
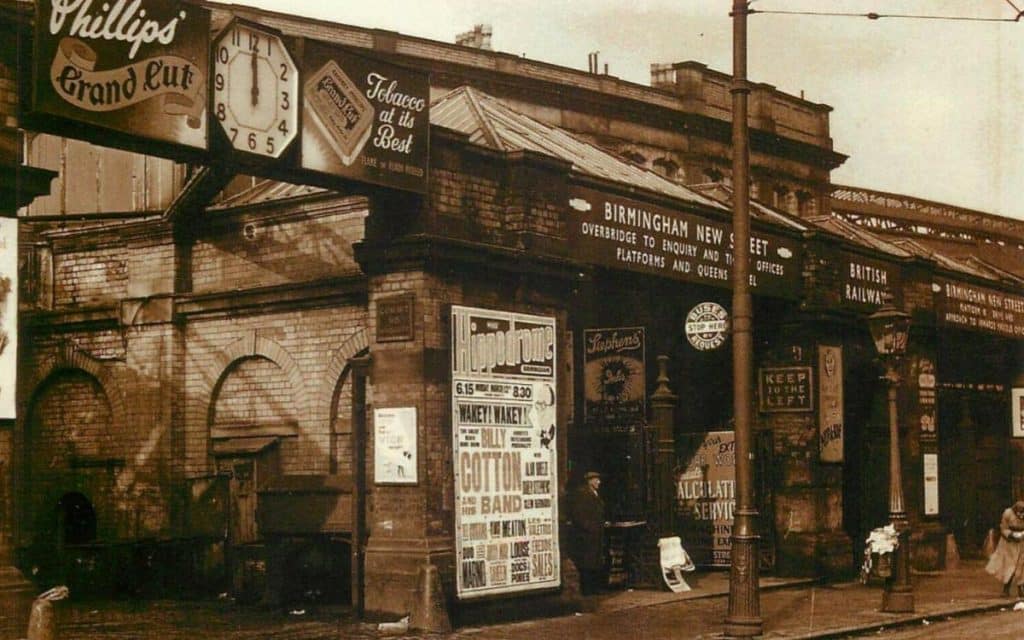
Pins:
x: 395, y: 318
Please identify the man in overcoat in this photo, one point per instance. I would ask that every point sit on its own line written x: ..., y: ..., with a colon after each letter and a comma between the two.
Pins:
x: 586, y: 512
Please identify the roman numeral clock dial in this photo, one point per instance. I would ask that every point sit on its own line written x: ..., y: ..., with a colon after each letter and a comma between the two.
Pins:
x: 255, y: 90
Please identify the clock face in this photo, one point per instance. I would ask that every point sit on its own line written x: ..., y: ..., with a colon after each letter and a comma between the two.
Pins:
x: 255, y: 90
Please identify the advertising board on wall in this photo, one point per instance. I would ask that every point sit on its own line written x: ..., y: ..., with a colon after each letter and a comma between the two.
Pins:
x: 830, y: 403
x: 1017, y: 412
x: 395, y: 457
x: 706, y: 496
x: 504, y: 437
x: 614, y: 374
x: 8, y: 315
x: 137, y: 68
x: 978, y: 308
x: 620, y: 232
x: 930, y: 468
x: 364, y: 118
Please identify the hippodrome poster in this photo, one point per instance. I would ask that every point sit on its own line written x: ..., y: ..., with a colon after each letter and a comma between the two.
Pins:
x: 505, y: 455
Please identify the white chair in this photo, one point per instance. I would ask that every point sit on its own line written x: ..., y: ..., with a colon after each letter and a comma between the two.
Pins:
x: 674, y: 561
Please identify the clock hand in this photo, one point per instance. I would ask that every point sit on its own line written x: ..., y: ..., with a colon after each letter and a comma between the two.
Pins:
x: 255, y: 91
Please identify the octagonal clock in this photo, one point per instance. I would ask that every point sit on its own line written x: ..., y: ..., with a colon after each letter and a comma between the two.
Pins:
x: 255, y: 89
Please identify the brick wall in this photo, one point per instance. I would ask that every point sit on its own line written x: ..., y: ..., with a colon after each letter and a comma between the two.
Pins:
x: 288, y: 355
x: 253, y: 251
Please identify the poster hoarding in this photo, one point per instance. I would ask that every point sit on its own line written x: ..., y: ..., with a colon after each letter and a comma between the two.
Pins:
x: 614, y: 373
x: 8, y: 315
x: 504, y: 409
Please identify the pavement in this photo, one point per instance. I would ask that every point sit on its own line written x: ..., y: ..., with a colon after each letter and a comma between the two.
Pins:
x: 790, y: 608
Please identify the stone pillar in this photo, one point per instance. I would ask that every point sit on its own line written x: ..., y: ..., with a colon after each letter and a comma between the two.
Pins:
x: 409, y: 526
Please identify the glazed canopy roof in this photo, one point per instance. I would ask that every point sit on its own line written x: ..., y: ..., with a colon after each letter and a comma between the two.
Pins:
x: 490, y: 123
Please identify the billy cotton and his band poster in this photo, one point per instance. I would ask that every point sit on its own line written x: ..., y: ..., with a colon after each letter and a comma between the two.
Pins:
x: 504, y: 438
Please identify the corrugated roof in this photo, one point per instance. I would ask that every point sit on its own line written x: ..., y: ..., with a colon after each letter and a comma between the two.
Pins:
x: 905, y: 248
x: 758, y: 211
x: 490, y: 123
x: 858, y: 235
x: 266, y: 191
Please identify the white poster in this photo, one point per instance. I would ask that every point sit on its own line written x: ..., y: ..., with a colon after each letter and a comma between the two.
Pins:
x: 8, y: 315
x: 931, y: 484
x: 394, y: 445
x: 504, y: 432
x: 1017, y: 412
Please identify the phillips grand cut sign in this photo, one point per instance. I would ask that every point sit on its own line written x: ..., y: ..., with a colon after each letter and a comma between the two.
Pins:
x: 136, y: 67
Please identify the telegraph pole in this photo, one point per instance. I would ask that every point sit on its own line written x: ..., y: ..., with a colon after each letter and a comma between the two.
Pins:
x: 744, y: 616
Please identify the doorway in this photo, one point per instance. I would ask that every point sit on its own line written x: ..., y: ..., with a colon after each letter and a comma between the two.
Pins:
x: 976, y: 481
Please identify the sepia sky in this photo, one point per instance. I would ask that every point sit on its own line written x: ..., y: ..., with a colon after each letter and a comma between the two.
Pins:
x: 924, y: 107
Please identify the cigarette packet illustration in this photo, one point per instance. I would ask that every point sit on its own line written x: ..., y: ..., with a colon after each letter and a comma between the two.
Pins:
x: 340, y: 110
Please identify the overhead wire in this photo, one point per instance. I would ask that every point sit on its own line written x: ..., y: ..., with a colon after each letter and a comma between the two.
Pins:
x: 872, y: 15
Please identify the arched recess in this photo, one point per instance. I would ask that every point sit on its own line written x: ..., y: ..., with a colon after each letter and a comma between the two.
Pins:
x: 668, y: 168
x: 337, y: 400
x: 252, y: 345
x: 71, y: 445
x: 634, y: 157
x: 70, y: 356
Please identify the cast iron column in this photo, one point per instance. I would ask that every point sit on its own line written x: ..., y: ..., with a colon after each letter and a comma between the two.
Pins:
x: 744, y: 616
x: 898, y: 596
x: 663, y: 405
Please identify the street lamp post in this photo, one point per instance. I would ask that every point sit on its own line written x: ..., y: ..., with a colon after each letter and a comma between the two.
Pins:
x: 744, y: 615
x: 890, y: 330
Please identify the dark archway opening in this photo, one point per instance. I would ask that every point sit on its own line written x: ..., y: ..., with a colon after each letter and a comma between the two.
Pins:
x: 77, y: 518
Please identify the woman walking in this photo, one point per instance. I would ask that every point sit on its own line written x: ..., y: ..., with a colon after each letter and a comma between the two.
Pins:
x: 1007, y: 562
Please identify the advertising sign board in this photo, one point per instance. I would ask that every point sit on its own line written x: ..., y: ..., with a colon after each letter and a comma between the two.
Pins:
x: 364, y: 118
x: 830, y: 403
x: 706, y: 496
x: 137, y: 68
x: 505, y: 452
x: 614, y: 375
